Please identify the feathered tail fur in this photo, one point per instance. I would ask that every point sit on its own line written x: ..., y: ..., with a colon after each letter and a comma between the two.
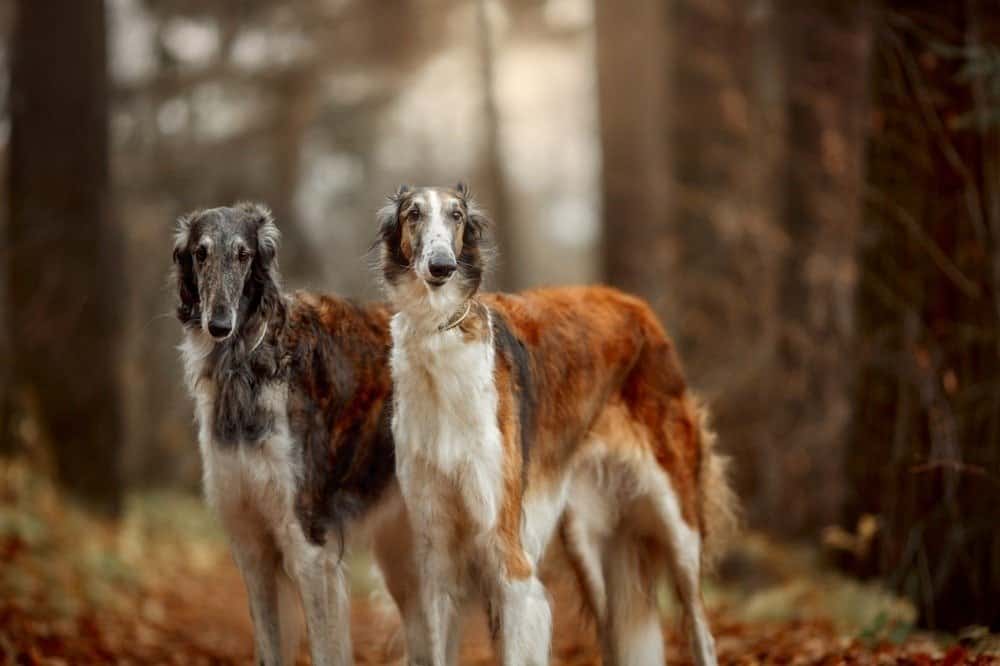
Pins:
x: 720, y: 510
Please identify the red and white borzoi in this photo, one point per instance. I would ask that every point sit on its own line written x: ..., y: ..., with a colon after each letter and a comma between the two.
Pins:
x: 513, y: 412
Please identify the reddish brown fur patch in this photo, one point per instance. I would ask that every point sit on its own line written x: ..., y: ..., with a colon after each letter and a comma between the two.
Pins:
x: 509, y: 522
x: 336, y: 354
x: 406, y: 243
x: 600, y: 358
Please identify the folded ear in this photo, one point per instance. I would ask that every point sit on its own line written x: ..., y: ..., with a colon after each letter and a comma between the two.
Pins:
x: 387, y: 217
x: 479, y: 223
x: 187, y: 282
x: 268, y: 234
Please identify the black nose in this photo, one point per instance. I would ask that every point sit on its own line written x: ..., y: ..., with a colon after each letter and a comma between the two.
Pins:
x: 221, y: 323
x: 442, y: 266
x: 219, y: 328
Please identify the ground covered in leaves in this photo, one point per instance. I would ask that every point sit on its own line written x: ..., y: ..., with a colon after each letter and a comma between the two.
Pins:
x: 159, y: 588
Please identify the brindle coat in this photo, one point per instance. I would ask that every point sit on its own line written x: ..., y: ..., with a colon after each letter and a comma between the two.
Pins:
x: 292, y: 395
x: 332, y: 354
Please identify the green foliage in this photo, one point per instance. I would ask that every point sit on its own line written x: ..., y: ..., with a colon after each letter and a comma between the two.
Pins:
x: 979, y: 69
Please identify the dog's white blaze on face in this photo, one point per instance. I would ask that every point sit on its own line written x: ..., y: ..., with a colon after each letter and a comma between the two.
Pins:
x: 437, y: 235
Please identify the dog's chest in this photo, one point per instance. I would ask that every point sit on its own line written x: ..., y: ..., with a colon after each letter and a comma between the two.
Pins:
x: 445, y: 424
x: 446, y: 399
x: 248, y: 483
x: 254, y: 482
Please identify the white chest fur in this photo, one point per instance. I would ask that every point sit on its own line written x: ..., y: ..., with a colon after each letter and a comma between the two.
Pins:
x: 445, y: 419
x: 250, y: 486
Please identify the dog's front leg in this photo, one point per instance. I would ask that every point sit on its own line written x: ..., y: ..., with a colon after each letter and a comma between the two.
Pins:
x: 322, y: 587
x: 525, y: 622
x: 393, y: 539
x: 257, y: 560
x: 437, y: 586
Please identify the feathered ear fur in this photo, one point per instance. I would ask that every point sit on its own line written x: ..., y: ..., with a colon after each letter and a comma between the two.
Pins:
x: 387, y: 216
x: 187, y: 284
x: 478, y: 223
x: 268, y: 234
x: 391, y: 261
x: 265, y: 280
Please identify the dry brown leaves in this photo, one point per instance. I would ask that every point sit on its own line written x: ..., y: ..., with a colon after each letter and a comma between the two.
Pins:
x: 75, y: 590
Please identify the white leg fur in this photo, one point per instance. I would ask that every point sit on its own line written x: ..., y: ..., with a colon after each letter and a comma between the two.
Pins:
x: 631, y: 633
x: 391, y: 546
x: 685, y: 550
x: 525, y: 623
x: 290, y: 618
x: 258, y: 564
x: 619, y: 577
x: 325, y: 602
x: 438, y: 609
x: 583, y: 544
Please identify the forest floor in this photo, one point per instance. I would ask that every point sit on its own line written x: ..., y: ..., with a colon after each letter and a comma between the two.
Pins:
x: 158, y: 587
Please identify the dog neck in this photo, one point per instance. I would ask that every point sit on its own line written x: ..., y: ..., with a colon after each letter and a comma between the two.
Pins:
x: 456, y: 319
x: 258, y: 339
x: 429, y: 312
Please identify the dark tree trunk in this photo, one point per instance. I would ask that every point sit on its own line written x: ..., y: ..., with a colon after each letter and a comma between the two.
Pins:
x: 632, y: 86
x: 824, y: 51
x: 924, y: 455
x: 64, y: 284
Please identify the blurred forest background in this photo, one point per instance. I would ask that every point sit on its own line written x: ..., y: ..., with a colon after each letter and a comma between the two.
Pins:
x: 808, y: 194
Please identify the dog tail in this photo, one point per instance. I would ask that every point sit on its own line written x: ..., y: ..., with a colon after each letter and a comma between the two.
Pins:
x: 719, y: 505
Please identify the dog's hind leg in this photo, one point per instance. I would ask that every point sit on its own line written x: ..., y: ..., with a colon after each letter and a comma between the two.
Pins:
x: 257, y: 560
x: 631, y: 635
x: 684, y: 553
x: 583, y: 547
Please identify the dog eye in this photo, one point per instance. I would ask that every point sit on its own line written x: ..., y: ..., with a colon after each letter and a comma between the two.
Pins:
x: 243, y: 254
x: 456, y: 215
x: 201, y: 254
x: 414, y: 214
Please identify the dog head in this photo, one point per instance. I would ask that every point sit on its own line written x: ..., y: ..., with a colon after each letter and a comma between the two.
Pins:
x: 432, y: 242
x: 225, y: 264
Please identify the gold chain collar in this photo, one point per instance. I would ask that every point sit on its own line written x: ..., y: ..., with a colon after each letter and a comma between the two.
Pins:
x: 455, y: 322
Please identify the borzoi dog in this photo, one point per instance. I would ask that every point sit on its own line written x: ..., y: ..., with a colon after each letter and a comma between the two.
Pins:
x: 291, y: 396
x: 507, y: 409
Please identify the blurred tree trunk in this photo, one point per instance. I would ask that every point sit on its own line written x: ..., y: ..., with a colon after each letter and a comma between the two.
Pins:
x: 64, y: 285
x: 823, y: 50
x: 508, y: 267
x: 924, y: 454
x: 632, y: 86
x: 6, y: 357
x: 298, y: 90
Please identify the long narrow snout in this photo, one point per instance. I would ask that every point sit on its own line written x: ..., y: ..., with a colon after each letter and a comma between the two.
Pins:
x: 436, y: 230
